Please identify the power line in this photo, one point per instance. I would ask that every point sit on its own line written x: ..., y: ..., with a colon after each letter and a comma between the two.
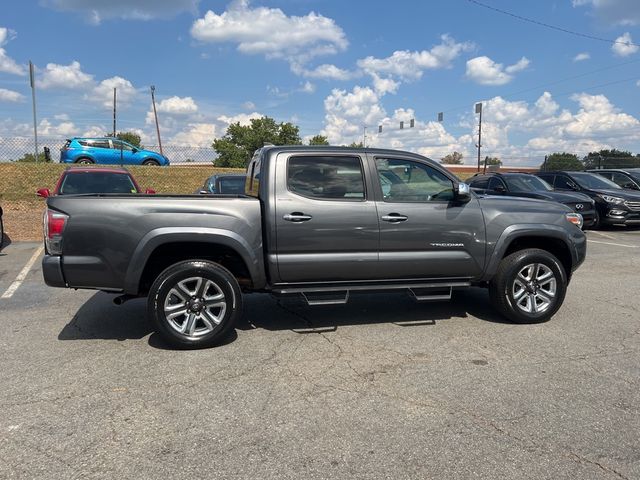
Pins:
x: 553, y: 27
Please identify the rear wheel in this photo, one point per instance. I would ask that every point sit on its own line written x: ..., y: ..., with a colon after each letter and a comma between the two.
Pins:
x: 84, y: 161
x: 151, y: 162
x: 529, y: 286
x: 194, y: 303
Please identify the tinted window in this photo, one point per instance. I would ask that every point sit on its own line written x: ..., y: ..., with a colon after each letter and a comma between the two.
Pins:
x: 591, y: 180
x: 326, y: 177
x: 621, y: 179
x: 547, y: 178
x: 231, y: 185
x: 564, y: 183
x: 98, y: 143
x: 479, y: 182
x: 252, y: 182
x: 526, y: 183
x: 496, y: 184
x: 117, y: 144
x: 96, y: 182
x: 410, y: 181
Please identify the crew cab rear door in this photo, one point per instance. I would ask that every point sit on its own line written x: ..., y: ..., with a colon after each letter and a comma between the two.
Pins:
x: 424, y: 231
x: 325, y: 217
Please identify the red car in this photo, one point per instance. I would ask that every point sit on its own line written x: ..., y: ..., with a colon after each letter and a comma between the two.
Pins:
x: 78, y: 180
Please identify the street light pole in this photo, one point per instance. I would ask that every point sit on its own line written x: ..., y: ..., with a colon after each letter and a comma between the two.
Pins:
x: 479, y: 145
x: 155, y: 113
x: 114, y: 112
x: 33, y: 98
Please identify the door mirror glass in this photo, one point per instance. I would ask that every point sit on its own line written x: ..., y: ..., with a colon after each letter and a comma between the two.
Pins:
x: 463, y: 192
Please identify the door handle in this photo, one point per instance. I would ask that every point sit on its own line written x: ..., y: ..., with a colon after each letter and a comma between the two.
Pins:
x: 395, y: 218
x: 297, y: 217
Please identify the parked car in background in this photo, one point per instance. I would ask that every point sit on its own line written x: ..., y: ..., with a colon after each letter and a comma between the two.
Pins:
x: 224, y: 183
x: 614, y: 205
x: 628, y: 178
x: 83, y: 180
x: 107, y: 150
x: 530, y: 186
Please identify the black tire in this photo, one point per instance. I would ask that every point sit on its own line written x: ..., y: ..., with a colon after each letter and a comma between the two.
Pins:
x: 175, y: 282
x: 151, y: 162
x: 596, y: 222
x: 85, y: 161
x: 511, y: 294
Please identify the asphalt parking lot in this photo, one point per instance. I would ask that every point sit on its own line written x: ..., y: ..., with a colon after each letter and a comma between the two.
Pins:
x: 380, y: 388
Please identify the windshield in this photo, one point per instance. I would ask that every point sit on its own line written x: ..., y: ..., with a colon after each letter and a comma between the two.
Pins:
x: 96, y: 182
x: 526, y: 183
x: 635, y: 174
x: 591, y: 180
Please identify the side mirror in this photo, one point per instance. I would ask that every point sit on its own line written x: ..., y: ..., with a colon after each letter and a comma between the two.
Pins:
x: 150, y: 191
x: 44, y: 193
x: 463, y: 192
x: 134, y: 150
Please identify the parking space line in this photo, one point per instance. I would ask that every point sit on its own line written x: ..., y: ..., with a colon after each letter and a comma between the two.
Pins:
x: 614, y: 244
x: 605, y: 235
x: 23, y: 274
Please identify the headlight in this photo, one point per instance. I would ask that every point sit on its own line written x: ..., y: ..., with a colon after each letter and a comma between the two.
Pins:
x: 574, y: 218
x: 611, y: 199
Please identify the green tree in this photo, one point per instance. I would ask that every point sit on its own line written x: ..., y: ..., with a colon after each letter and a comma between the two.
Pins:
x: 237, y: 146
x: 492, y: 161
x: 454, y: 158
x: 130, y: 137
x: 357, y: 145
x: 562, y: 161
x: 31, y: 158
x: 611, y: 159
x: 318, y: 140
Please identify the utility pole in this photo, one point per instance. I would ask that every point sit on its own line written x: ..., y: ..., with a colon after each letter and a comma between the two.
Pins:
x: 114, y: 112
x: 155, y: 113
x: 479, y: 144
x: 364, y: 136
x: 33, y: 97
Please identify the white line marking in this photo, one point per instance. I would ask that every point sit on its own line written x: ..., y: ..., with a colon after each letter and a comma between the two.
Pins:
x: 605, y: 235
x: 23, y: 274
x: 614, y: 244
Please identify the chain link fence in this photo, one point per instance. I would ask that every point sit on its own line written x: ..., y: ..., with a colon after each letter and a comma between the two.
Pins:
x: 22, y: 149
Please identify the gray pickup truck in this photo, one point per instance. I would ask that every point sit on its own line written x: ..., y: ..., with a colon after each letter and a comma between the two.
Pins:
x: 319, y: 222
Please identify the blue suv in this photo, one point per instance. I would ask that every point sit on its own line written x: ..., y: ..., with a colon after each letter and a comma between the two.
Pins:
x: 108, y: 150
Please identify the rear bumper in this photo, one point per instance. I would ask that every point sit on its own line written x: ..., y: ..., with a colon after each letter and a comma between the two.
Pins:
x: 52, y: 271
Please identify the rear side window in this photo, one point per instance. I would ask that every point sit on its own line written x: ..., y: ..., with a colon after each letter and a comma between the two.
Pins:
x: 495, y: 183
x: 479, y: 182
x: 96, y: 182
x: 99, y: 143
x: 326, y: 177
x: 547, y: 178
x: 563, y: 182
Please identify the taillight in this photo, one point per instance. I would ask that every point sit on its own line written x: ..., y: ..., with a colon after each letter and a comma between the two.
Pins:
x: 54, y: 223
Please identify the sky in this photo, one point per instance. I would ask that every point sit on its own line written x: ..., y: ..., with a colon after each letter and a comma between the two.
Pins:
x: 332, y: 67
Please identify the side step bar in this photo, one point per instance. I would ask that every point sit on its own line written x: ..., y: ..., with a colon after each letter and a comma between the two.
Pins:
x: 339, y: 295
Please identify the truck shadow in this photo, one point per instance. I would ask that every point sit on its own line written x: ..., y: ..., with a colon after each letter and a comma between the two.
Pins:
x: 99, y: 318
x: 292, y: 313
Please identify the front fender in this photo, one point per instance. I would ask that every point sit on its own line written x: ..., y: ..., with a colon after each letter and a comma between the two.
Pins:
x: 575, y: 243
x: 252, y: 256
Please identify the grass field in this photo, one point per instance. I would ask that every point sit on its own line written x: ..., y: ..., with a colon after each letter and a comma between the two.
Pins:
x: 23, y: 209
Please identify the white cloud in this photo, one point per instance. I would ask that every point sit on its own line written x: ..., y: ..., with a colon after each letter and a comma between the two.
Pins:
x: 103, y: 92
x: 485, y: 71
x: 269, y: 31
x: 408, y: 65
x: 308, y: 87
x: 196, y: 134
x: 243, y: 118
x: 582, y: 57
x: 614, y: 12
x: 624, y: 45
x: 8, y: 64
x: 10, y: 96
x: 65, y: 76
x: 325, y: 72
x: 346, y: 113
x: 178, y: 106
x: 384, y: 85
x: 249, y: 105
x: 97, y: 10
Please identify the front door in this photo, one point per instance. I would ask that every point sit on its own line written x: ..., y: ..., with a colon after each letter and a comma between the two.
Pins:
x: 424, y: 231
x: 326, y: 219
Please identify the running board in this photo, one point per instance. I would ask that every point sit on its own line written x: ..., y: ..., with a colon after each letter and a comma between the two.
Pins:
x: 431, y: 294
x: 326, y: 298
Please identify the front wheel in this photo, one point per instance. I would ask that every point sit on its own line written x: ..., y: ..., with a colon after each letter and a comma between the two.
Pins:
x: 151, y: 163
x: 194, y: 303
x: 529, y: 286
x: 85, y: 161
